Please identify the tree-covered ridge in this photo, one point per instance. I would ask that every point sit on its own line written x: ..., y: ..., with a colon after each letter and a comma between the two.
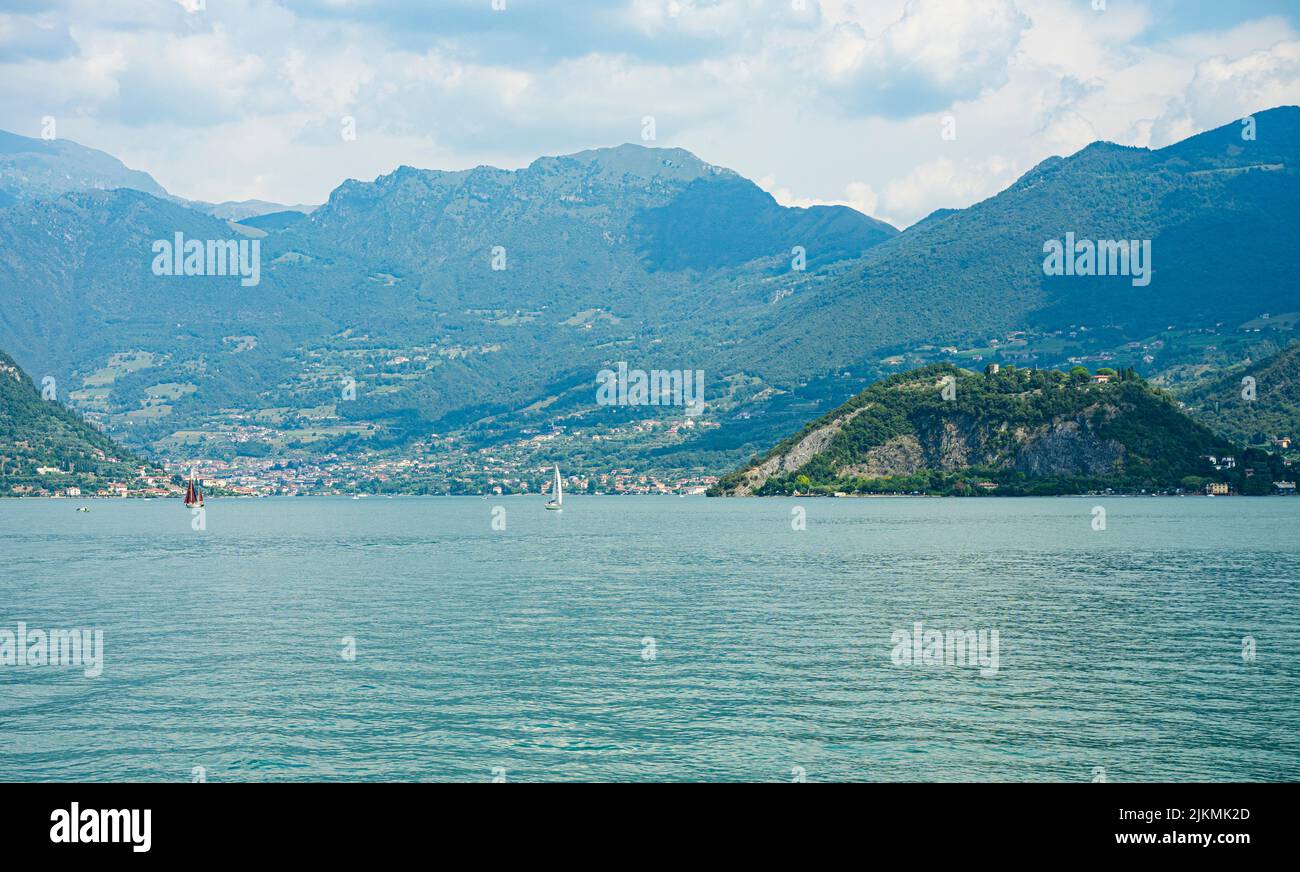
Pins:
x: 481, y: 303
x: 47, y: 448
x: 977, y: 272
x: 1257, y: 404
x: 943, y: 430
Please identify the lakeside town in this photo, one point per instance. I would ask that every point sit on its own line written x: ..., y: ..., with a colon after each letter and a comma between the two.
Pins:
x: 592, y: 460
x: 333, y: 475
x: 439, y: 469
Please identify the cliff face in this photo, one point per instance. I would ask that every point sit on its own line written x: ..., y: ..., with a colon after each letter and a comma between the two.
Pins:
x: 1019, y: 431
x: 1071, y: 447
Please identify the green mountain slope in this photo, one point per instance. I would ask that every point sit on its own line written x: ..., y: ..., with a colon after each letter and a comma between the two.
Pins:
x: 47, y: 448
x: 965, y: 276
x: 1014, y: 432
x: 650, y: 256
x: 1260, y: 413
x: 594, y: 269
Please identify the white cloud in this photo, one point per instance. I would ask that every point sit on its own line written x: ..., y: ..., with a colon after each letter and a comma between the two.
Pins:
x: 1226, y: 88
x: 329, y: 83
x: 937, y: 51
x: 857, y: 195
x: 841, y: 101
x: 944, y: 181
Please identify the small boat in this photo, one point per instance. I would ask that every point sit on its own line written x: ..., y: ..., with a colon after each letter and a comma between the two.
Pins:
x: 193, y: 493
x: 83, y: 508
x: 556, y: 502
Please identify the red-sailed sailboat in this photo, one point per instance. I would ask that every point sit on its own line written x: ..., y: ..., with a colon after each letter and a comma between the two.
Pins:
x: 193, y: 493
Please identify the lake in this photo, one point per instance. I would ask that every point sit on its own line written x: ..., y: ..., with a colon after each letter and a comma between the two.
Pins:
x: 657, y: 638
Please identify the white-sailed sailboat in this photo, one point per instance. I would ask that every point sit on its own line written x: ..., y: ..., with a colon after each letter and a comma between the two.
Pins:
x: 556, y: 502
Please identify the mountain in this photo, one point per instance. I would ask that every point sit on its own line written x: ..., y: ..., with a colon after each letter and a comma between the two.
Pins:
x: 962, y: 277
x: 45, y: 447
x: 272, y: 221
x: 625, y: 209
x: 941, y: 429
x: 393, y: 282
x: 41, y: 168
x: 720, y: 223
x: 243, y: 210
x: 478, y: 305
x: 1256, y: 403
x: 76, y: 279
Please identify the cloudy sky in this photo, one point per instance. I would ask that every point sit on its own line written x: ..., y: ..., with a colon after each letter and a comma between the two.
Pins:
x: 816, y: 100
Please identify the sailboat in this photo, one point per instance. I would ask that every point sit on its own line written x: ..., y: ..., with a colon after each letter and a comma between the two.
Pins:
x: 556, y: 503
x: 193, y: 493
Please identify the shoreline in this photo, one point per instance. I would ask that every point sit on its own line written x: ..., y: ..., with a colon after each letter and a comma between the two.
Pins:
x: 846, y: 496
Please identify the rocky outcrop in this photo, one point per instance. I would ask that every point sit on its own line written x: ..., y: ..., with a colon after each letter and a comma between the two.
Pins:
x: 789, y: 461
x: 950, y: 443
x: 1069, y: 448
x: 1017, y: 431
x: 901, y: 455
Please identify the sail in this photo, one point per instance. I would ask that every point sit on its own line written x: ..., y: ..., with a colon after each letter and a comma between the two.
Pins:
x: 559, y: 488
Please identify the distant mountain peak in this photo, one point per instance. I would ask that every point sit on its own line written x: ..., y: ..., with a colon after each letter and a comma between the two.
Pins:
x: 618, y: 164
x: 48, y: 167
x: 637, y: 160
x: 1261, y: 137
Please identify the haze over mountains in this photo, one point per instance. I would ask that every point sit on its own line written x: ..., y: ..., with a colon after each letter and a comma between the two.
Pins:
x: 483, y: 302
x: 32, y: 168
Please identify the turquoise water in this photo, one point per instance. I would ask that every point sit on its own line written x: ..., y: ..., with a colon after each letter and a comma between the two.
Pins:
x: 524, y: 649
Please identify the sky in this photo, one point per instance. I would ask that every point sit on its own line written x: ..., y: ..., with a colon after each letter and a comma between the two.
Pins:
x: 894, y: 108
